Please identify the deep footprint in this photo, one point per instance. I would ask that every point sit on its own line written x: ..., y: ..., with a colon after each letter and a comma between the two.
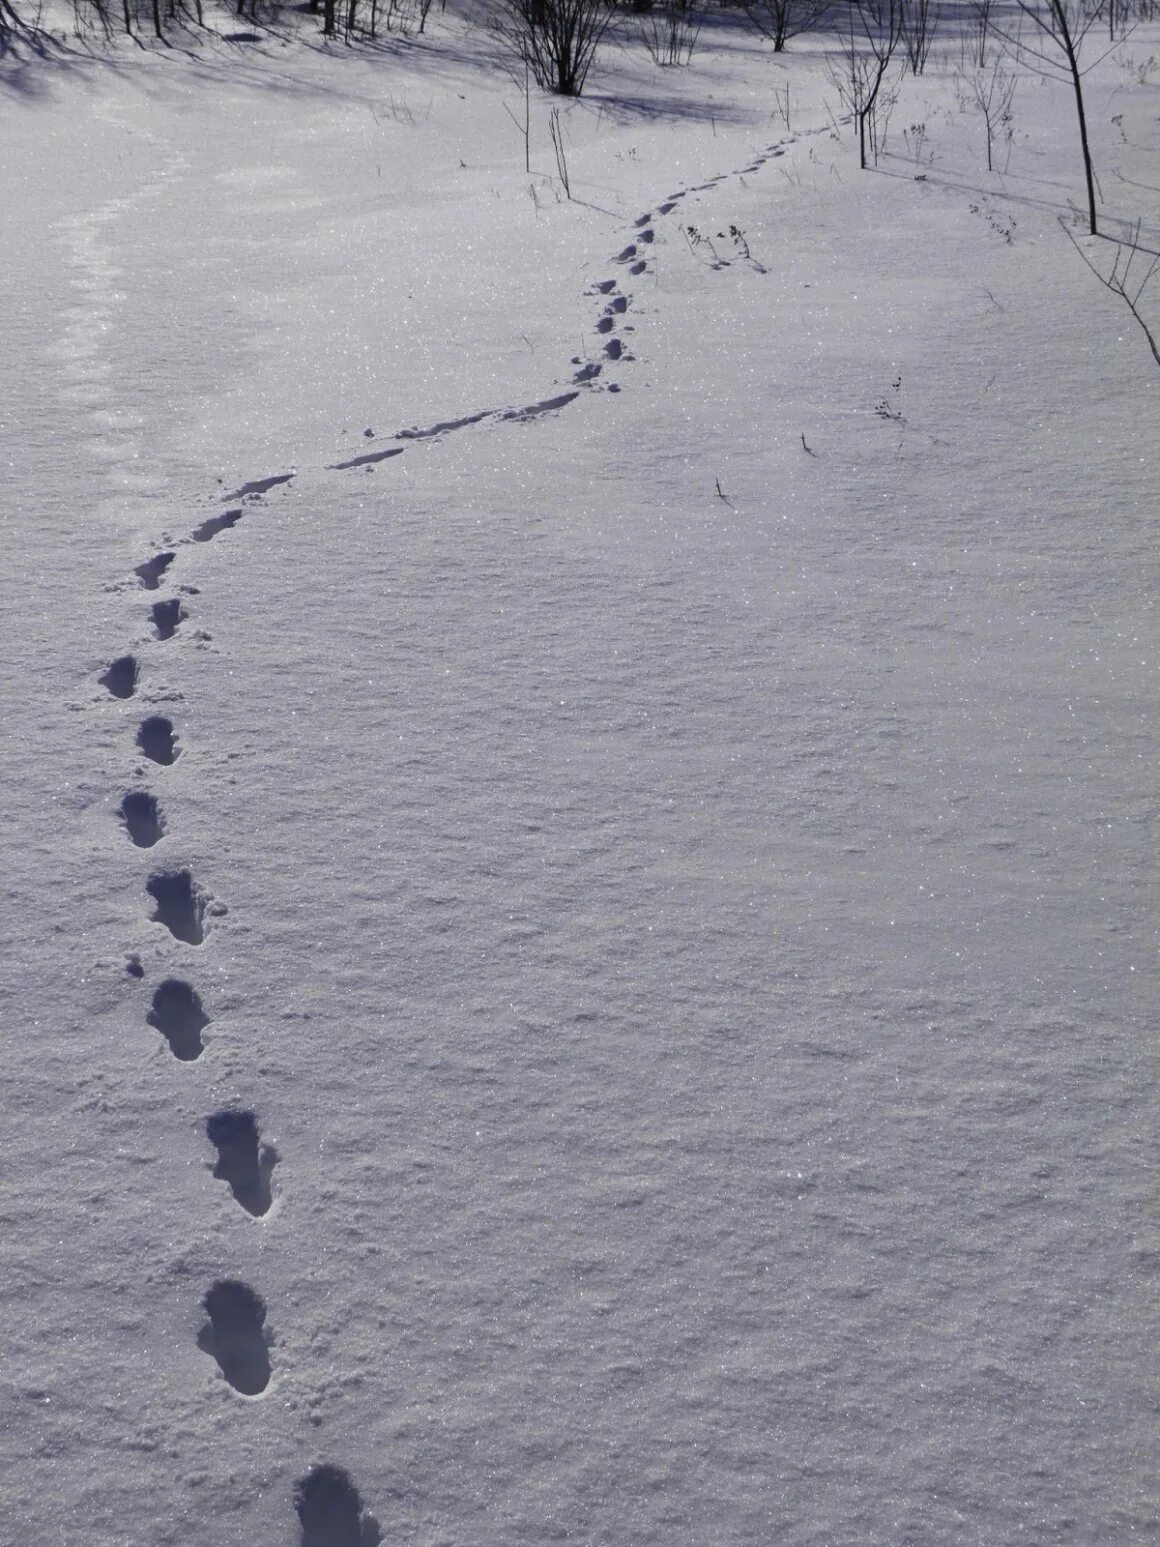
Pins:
x: 258, y: 486
x: 638, y: 268
x: 180, y: 905
x: 614, y: 349
x: 330, y: 1511
x: 620, y: 304
x: 177, y: 1014
x: 606, y: 286
x: 242, y: 1162
x: 156, y: 739
x: 142, y: 818
x: 648, y: 236
x: 605, y: 325
x: 151, y: 571
x: 216, y: 524
x: 120, y: 677
x: 166, y: 617
x: 234, y: 1336
x: 628, y: 252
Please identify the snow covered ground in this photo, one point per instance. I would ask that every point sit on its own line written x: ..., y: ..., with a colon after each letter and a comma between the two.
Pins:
x: 657, y: 814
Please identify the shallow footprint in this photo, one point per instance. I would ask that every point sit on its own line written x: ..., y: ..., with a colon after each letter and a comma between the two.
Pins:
x: 151, y: 571
x: 242, y: 1162
x: 166, y: 616
x: 142, y: 818
x: 606, y: 286
x: 120, y: 677
x: 234, y: 1336
x: 180, y: 905
x: 177, y: 1014
x: 156, y: 739
x: 330, y: 1511
x: 638, y: 268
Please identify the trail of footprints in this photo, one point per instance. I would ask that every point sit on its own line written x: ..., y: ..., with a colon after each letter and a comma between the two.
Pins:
x: 233, y: 1332
x: 330, y: 1511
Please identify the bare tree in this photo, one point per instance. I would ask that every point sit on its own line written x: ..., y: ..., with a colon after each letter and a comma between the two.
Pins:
x: 557, y: 39
x: 670, y: 33
x: 976, y: 28
x: 868, y: 48
x: 1121, y: 281
x: 1051, y: 45
x: 780, y: 20
x: 919, y: 21
x: 993, y: 90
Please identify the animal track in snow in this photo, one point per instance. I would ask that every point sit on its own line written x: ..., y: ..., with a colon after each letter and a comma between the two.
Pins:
x: 120, y: 677
x: 178, y: 1015
x: 258, y: 486
x: 156, y: 739
x: 166, y: 617
x: 648, y: 236
x: 618, y: 304
x: 669, y: 205
x: 234, y: 1335
x: 242, y: 1162
x: 638, y: 268
x: 181, y: 906
x: 606, y: 286
x: 605, y: 325
x: 142, y: 818
x: 330, y: 1511
x: 209, y: 529
x: 151, y: 571
x: 614, y: 349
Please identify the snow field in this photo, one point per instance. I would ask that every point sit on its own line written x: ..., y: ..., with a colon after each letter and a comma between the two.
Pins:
x: 689, y: 892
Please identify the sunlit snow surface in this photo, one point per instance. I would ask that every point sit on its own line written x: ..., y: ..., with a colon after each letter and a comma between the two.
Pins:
x: 653, y: 891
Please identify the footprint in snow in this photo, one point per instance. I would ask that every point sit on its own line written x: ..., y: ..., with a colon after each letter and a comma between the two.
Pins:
x: 258, y: 486
x: 648, y: 236
x: 156, y: 739
x: 330, y: 1511
x: 620, y: 304
x: 642, y: 220
x: 209, y: 529
x: 150, y: 573
x: 606, y: 286
x: 142, y: 818
x: 626, y: 254
x: 180, y: 905
x: 605, y: 325
x: 242, y: 1161
x: 587, y: 373
x: 234, y: 1335
x: 668, y: 206
x: 120, y: 677
x: 178, y: 1015
x: 166, y: 616
x: 638, y: 268
x: 614, y: 349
